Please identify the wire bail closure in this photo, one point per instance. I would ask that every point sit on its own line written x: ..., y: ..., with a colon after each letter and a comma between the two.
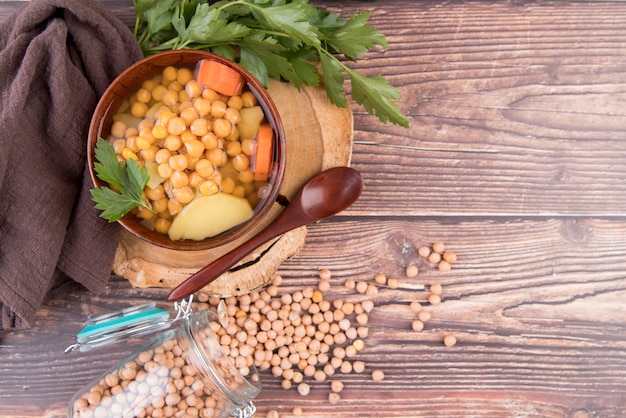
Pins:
x: 183, y: 308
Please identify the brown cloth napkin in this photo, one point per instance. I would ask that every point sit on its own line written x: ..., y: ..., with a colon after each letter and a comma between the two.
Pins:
x: 57, y: 58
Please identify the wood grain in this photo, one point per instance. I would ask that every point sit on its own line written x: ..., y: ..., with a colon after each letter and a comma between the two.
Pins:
x: 514, y: 158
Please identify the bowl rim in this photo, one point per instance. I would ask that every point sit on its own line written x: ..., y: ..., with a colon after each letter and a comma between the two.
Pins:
x: 184, y: 57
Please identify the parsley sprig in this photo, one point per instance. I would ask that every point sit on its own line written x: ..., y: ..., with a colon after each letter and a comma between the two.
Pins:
x: 129, y: 179
x: 286, y: 40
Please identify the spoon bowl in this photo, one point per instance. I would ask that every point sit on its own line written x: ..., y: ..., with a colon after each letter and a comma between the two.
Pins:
x: 326, y: 194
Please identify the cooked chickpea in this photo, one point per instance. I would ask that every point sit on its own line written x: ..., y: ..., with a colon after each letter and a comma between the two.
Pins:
x: 248, y: 99
x: 241, y: 162
x: 221, y: 127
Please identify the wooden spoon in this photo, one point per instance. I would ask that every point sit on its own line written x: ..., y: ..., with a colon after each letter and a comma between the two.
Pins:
x: 326, y: 194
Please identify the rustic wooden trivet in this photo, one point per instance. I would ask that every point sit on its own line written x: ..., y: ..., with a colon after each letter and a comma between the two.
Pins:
x: 319, y: 136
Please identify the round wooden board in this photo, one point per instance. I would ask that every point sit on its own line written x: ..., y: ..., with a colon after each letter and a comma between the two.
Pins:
x: 319, y: 136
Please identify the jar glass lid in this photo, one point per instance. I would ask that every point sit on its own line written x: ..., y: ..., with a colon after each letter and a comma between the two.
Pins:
x: 127, y: 323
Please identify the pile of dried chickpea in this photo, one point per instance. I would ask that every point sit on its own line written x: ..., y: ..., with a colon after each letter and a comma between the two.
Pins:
x: 301, y: 335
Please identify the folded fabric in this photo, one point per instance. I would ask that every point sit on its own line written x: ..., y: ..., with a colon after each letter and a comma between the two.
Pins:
x: 57, y: 58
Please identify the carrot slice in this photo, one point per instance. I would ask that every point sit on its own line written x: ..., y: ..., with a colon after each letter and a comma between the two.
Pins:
x: 264, y: 148
x: 219, y: 77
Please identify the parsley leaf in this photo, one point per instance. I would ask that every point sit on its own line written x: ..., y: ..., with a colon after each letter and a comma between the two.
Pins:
x: 355, y: 38
x: 365, y: 89
x: 287, y: 40
x: 332, y: 72
x: 129, y: 179
x: 206, y: 26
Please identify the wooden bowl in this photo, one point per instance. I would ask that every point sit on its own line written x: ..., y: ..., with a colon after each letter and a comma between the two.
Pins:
x: 127, y: 83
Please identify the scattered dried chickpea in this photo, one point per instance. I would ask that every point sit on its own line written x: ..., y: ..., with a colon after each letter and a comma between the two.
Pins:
x: 325, y: 274
x: 436, y: 289
x: 415, y: 306
x: 272, y: 413
x: 423, y: 251
x: 361, y: 286
x: 449, y: 256
x: 444, y: 266
x: 358, y: 366
x: 424, y: 316
x: 393, y: 283
x: 411, y: 270
x: 371, y: 290
x: 334, y: 398
x: 438, y: 247
x: 324, y: 285
x: 449, y: 340
x: 304, y: 389
x: 378, y: 375
x: 434, y: 299
x: 336, y: 386
x: 380, y: 278
x: 417, y: 325
x: 434, y: 258
x: 297, y: 411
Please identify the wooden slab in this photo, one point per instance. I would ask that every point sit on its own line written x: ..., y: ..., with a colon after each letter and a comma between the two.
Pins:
x: 319, y: 136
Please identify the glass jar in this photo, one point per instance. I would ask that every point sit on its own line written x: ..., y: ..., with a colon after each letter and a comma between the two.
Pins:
x: 182, y: 372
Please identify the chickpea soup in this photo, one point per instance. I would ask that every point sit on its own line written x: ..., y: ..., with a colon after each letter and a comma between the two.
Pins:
x: 206, y: 140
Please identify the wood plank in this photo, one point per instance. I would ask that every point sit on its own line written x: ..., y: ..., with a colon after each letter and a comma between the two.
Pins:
x: 515, y: 108
x: 514, y: 159
x: 539, y: 318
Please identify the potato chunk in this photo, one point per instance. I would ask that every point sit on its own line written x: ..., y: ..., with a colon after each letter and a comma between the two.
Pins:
x: 208, y: 216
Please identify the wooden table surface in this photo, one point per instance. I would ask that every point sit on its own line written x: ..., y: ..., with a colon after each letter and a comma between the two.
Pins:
x: 515, y: 159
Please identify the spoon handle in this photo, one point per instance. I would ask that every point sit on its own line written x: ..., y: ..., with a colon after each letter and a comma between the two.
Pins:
x: 213, y: 270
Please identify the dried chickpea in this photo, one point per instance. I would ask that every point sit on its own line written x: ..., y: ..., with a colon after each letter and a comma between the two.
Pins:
x: 324, y: 285
x: 415, y: 306
x: 334, y: 398
x: 434, y: 299
x: 380, y: 278
x: 438, y: 247
x: 444, y: 266
x: 449, y: 256
x: 424, y: 316
x: 304, y: 389
x: 417, y: 325
x: 411, y: 270
x: 436, y: 289
x: 449, y: 340
x: 423, y: 251
x: 378, y: 375
x: 325, y: 274
x: 358, y: 366
x: 361, y: 287
x: 371, y: 290
x: 393, y: 283
x: 434, y: 258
